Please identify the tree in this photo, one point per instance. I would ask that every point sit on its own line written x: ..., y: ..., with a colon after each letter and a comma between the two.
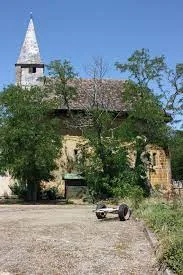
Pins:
x: 174, y: 95
x: 95, y: 120
x: 147, y: 116
x: 98, y: 114
x: 30, y: 139
x: 176, y: 146
x: 146, y: 113
x: 106, y: 166
x: 154, y: 74
x: 142, y: 68
x: 59, y: 82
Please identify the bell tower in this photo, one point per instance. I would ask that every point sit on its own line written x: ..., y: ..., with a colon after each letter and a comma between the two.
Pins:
x: 29, y: 67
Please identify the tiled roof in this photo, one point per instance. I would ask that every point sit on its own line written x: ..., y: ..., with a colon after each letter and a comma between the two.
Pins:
x: 105, y: 93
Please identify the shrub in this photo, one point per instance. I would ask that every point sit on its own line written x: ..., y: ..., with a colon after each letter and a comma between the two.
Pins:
x: 48, y: 192
x: 166, y: 219
x: 173, y: 255
x: 18, y: 189
x: 127, y: 186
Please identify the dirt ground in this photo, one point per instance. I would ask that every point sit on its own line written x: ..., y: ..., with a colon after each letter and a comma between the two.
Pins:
x: 68, y: 239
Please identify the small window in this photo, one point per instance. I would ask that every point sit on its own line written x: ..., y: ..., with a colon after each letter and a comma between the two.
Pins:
x: 32, y: 70
x: 75, y: 152
x: 154, y: 159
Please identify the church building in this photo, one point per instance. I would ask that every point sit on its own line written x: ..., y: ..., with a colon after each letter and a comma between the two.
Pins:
x: 29, y: 69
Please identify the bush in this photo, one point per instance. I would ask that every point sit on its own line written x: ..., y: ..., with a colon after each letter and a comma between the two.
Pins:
x: 49, y: 193
x: 173, y: 256
x: 166, y: 220
x: 127, y: 186
x: 18, y: 189
x: 45, y: 192
x: 98, y: 187
x: 109, y: 172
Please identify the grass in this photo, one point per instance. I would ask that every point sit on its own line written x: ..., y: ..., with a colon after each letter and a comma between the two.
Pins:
x: 165, y: 218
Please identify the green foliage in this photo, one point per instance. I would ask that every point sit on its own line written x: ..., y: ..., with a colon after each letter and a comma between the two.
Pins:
x: 127, y: 186
x: 147, y: 121
x: 29, y: 137
x: 19, y: 190
x: 63, y: 70
x: 175, y: 98
x: 118, y: 179
x: 153, y: 73
x: 174, y: 254
x: 146, y: 116
x: 145, y: 124
x: 143, y: 68
x: 100, y: 167
x: 176, y: 150
x: 166, y: 219
x: 111, y: 161
x: 50, y: 193
x: 59, y: 82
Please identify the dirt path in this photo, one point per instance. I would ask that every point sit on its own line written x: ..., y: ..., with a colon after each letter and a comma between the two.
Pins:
x: 70, y: 240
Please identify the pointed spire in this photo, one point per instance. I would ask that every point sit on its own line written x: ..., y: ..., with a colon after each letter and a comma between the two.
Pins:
x: 29, y: 53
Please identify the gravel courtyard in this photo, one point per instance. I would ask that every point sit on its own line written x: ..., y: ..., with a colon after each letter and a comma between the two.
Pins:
x: 68, y: 239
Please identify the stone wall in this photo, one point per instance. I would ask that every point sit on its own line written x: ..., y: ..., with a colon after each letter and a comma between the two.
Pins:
x: 25, y: 78
x: 5, y: 191
x: 159, y: 173
x: 67, y: 163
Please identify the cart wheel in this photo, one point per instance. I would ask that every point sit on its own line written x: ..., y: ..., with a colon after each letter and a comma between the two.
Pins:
x: 101, y: 215
x: 124, y: 212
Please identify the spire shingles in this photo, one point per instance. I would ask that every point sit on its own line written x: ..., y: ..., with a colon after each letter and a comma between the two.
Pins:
x: 29, y: 53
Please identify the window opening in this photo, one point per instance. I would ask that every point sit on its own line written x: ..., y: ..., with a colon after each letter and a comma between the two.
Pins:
x: 32, y: 70
x: 154, y: 159
x: 75, y: 152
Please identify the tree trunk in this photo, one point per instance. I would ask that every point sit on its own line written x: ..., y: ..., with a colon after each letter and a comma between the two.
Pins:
x: 38, y: 191
x: 28, y: 197
x: 32, y: 192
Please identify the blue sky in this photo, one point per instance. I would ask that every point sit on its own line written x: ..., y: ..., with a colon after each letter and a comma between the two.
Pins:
x: 80, y: 29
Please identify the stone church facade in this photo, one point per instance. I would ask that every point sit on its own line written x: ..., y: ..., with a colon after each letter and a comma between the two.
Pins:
x: 30, y: 68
